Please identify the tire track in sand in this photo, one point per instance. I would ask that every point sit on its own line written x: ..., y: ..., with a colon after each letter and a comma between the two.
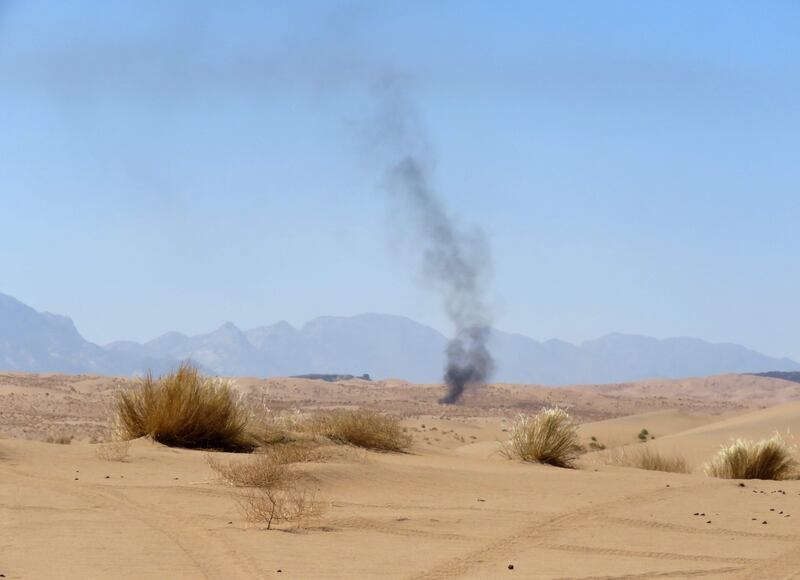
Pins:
x: 366, y: 524
x: 646, y: 554
x: 211, y: 559
x: 699, y: 573
x: 634, y: 523
x: 540, y: 532
x: 784, y: 567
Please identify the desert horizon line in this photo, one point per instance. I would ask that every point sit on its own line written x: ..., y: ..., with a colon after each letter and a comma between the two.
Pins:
x: 300, y: 327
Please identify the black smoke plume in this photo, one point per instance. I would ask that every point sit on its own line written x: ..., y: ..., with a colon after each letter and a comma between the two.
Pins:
x: 456, y: 262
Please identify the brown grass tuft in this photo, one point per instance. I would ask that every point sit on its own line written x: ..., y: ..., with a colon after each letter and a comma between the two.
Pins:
x: 646, y: 458
x: 185, y: 409
x: 550, y: 436
x: 771, y: 458
x: 363, y: 428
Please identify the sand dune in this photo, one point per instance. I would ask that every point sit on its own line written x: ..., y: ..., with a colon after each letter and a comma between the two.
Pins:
x: 696, y: 436
x: 45, y: 405
x: 625, y: 430
x: 449, y: 509
x: 699, y: 443
x: 749, y: 390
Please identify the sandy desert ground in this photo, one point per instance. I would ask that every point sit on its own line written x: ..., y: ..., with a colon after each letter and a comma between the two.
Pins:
x: 451, y: 508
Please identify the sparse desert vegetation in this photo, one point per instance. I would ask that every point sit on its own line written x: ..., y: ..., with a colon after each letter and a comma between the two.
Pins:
x: 271, y: 466
x: 595, y: 445
x: 772, y: 458
x: 270, y: 426
x: 362, y: 428
x: 256, y: 470
x: 276, y: 491
x: 645, y: 457
x: 550, y: 436
x: 265, y: 506
x: 185, y: 409
x: 363, y: 513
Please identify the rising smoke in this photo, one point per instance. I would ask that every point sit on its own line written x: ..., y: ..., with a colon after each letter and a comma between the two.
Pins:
x: 456, y: 262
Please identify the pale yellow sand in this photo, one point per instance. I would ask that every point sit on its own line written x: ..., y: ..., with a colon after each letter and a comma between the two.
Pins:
x: 450, y: 509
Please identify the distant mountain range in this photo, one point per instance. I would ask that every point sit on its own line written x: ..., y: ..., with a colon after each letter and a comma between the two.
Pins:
x: 381, y: 345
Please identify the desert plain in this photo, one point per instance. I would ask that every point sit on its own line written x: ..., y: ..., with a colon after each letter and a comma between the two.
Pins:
x: 451, y: 507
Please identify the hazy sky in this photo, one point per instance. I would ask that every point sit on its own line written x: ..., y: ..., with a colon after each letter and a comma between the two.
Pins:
x: 175, y: 165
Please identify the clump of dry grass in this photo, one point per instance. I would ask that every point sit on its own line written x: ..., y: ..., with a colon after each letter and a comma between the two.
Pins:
x: 185, y: 409
x: 771, y: 458
x: 60, y: 439
x: 651, y: 459
x: 113, y: 450
x: 363, y: 428
x: 550, y: 436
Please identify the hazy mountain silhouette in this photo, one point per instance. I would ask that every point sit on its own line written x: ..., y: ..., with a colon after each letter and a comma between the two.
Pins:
x: 43, y: 342
x: 378, y: 344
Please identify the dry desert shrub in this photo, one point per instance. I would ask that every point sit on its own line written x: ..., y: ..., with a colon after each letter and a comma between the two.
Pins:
x: 265, y: 506
x: 771, y: 458
x: 270, y: 467
x: 276, y: 492
x: 550, y: 436
x: 185, y: 409
x: 258, y: 470
x: 363, y: 428
x: 113, y: 450
x: 271, y: 427
x: 60, y: 439
x: 646, y: 458
x: 299, y: 451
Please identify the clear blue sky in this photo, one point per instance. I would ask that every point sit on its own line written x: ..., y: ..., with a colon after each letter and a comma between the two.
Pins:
x: 175, y: 165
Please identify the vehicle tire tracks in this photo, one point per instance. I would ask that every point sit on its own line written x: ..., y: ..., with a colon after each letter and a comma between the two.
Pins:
x: 213, y: 559
x: 541, y: 532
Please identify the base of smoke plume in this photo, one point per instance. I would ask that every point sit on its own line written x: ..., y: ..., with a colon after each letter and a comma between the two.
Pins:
x: 453, y: 394
x: 455, y: 391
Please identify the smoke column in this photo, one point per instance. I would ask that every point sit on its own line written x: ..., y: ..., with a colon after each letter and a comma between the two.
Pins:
x: 456, y: 262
